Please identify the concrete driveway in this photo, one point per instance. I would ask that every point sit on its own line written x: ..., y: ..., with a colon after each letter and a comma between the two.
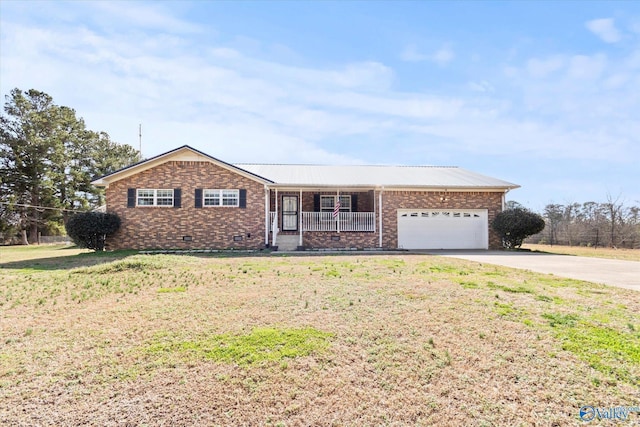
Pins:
x: 624, y: 274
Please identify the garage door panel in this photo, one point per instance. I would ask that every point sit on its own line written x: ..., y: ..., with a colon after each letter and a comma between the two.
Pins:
x: 443, y: 229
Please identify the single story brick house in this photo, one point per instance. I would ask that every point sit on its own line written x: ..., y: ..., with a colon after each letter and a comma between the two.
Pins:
x: 186, y: 199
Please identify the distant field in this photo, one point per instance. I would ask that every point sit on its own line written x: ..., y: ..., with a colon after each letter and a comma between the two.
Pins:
x: 624, y: 254
x: 125, y: 339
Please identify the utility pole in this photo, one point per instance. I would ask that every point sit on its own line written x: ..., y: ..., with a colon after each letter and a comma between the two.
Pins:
x: 140, y: 139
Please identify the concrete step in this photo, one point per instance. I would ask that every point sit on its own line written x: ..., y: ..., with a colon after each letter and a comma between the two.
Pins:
x: 287, y: 242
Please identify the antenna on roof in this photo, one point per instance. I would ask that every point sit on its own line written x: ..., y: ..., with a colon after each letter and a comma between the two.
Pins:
x: 140, y: 139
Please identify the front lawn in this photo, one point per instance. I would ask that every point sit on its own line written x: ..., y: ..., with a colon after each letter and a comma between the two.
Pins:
x: 116, y: 339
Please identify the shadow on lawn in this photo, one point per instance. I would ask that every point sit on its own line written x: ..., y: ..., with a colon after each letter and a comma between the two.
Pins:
x: 66, y: 262
x: 89, y: 259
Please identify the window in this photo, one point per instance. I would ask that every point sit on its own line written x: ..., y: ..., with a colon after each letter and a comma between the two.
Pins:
x: 164, y: 197
x: 154, y: 197
x: 221, y: 198
x: 327, y: 203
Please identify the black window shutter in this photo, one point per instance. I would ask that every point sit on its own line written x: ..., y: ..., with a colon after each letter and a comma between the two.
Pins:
x: 177, y: 198
x: 243, y: 199
x: 354, y: 203
x: 198, y: 197
x: 316, y: 203
x: 131, y: 198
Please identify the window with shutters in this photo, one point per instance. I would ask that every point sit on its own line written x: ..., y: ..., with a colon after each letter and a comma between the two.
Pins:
x: 154, y: 197
x: 328, y: 203
x: 215, y: 197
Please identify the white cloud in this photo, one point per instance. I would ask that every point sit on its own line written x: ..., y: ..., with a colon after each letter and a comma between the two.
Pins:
x: 540, y: 68
x: 442, y: 56
x: 585, y: 67
x: 617, y: 81
x: 410, y: 53
x: 481, y: 86
x: 605, y: 29
x: 148, y: 16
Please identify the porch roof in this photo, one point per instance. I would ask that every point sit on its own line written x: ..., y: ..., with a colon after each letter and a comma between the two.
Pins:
x: 376, y: 176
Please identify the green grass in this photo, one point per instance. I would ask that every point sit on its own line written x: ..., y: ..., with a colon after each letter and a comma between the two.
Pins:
x: 544, y: 298
x: 605, y: 349
x: 172, y: 290
x: 516, y: 290
x: 468, y: 285
x: 260, y: 345
x: 504, y: 309
x: 556, y: 319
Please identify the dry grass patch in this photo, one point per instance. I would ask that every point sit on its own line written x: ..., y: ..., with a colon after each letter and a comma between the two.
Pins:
x: 611, y: 253
x: 345, y: 340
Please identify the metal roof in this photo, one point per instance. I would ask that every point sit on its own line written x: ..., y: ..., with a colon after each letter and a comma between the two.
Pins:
x: 378, y: 176
x: 309, y: 176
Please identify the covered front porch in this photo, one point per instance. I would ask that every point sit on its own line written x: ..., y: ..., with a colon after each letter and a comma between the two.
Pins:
x: 322, y: 211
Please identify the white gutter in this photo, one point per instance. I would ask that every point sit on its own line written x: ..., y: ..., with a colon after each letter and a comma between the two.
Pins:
x: 504, y: 197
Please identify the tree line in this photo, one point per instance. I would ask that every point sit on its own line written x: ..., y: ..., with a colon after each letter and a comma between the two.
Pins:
x: 612, y: 223
x: 48, y: 159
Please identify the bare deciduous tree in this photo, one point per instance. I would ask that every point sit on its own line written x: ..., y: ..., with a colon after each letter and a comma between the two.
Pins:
x: 610, y: 223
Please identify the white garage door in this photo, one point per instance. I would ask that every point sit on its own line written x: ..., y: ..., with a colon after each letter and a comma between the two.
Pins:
x: 443, y: 229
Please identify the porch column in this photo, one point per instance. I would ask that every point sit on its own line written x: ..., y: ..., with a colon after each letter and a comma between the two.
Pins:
x: 267, y: 206
x: 274, y: 231
x: 337, y: 216
x: 380, y: 217
x: 300, y: 218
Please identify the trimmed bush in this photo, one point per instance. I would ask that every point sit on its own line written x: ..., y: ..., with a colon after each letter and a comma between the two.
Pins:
x: 515, y: 225
x: 90, y: 229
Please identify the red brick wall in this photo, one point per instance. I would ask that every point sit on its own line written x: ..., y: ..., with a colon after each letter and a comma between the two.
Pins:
x: 348, y: 239
x: 210, y: 227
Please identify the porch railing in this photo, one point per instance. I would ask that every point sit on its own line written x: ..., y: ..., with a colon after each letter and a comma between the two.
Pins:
x: 347, y: 221
x: 357, y: 221
x: 318, y: 221
x: 271, y: 216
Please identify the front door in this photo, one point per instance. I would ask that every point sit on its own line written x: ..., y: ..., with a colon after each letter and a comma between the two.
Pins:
x: 289, y: 213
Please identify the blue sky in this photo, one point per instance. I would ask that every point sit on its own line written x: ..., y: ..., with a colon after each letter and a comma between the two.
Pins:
x: 542, y: 94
